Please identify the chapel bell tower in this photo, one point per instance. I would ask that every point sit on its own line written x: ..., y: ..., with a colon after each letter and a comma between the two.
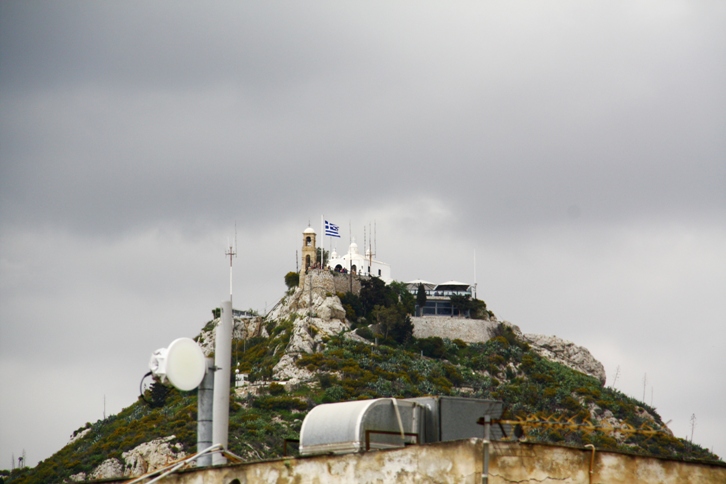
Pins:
x: 309, y: 254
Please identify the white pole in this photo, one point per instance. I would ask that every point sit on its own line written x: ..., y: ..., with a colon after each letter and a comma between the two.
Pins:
x: 223, y: 362
x: 205, y: 404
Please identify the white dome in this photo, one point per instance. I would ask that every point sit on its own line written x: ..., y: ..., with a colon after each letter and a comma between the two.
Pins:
x: 309, y: 230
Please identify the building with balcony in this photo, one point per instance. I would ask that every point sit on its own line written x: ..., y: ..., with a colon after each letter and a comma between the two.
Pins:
x: 438, y: 296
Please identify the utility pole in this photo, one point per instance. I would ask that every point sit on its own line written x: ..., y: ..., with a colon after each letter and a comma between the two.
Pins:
x: 693, y: 425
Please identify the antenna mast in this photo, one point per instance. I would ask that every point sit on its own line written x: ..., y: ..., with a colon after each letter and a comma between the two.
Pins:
x: 365, y: 244
x: 370, y: 248
x: 231, y: 252
x: 475, y: 281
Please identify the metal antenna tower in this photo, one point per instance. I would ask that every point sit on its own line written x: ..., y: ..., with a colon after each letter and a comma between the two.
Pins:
x: 693, y: 425
x: 231, y: 252
x: 475, y: 274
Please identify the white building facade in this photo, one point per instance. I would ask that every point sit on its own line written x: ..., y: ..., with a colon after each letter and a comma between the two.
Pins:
x: 361, y: 264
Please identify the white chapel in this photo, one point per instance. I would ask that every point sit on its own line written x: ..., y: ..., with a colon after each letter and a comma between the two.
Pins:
x: 361, y: 264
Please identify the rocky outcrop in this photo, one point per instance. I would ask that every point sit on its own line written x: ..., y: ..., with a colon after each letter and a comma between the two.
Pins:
x: 287, y: 370
x: 316, y: 313
x: 109, y: 469
x: 553, y: 348
x: 567, y: 353
x: 244, y: 328
x: 78, y: 435
x: 142, y: 459
x: 151, y: 456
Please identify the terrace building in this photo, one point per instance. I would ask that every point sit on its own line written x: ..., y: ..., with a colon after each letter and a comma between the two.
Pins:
x: 438, y: 296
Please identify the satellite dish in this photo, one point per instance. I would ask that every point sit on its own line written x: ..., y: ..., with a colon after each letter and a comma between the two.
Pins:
x: 183, y: 364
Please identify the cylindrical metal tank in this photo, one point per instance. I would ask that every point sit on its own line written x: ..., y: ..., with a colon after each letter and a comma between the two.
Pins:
x: 346, y: 427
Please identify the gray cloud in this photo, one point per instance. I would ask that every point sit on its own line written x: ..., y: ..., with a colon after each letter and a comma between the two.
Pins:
x: 578, y: 150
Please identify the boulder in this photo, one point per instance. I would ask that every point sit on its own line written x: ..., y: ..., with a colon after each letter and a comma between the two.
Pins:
x: 151, y: 456
x: 79, y: 435
x: 567, y: 353
x: 109, y: 469
x: 287, y: 370
x: 244, y: 328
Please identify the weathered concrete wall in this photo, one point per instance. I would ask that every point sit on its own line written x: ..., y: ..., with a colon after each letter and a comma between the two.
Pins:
x: 461, y: 462
x: 467, y: 330
x: 536, y: 463
x: 447, y: 463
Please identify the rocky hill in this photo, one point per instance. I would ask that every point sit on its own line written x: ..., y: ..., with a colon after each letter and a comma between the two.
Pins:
x: 318, y: 345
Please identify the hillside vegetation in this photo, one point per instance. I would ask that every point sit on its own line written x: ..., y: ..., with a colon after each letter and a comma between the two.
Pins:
x: 265, y: 413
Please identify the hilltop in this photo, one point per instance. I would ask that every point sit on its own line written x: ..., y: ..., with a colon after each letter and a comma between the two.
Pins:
x: 321, y: 344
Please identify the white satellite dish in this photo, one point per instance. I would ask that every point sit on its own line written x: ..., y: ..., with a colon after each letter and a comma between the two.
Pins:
x: 182, y: 364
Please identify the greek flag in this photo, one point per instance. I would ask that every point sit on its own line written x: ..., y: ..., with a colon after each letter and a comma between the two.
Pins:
x: 332, y: 230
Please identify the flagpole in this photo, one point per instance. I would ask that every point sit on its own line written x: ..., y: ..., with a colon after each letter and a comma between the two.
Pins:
x: 322, y: 242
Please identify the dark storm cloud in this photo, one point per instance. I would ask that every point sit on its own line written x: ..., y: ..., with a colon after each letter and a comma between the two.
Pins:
x: 176, y: 109
x: 180, y: 43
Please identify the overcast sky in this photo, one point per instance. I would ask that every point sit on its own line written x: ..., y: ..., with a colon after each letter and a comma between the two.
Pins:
x: 575, y: 150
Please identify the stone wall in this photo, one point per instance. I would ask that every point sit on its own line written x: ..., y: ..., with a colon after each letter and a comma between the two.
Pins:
x: 343, y: 283
x: 461, y: 462
x: 330, y: 281
x: 467, y: 330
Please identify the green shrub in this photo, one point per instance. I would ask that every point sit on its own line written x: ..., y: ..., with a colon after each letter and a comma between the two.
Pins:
x: 335, y: 393
x: 276, y: 389
x: 327, y: 380
x: 366, y: 333
x: 432, y: 347
x: 292, y: 279
x: 279, y: 403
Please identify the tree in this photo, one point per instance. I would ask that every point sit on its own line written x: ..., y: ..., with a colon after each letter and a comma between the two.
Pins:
x: 394, y: 321
x: 404, y: 296
x: 324, y: 258
x: 352, y: 305
x: 374, y: 292
x: 421, y: 298
x: 462, y: 303
x: 292, y: 279
x: 158, y: 394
